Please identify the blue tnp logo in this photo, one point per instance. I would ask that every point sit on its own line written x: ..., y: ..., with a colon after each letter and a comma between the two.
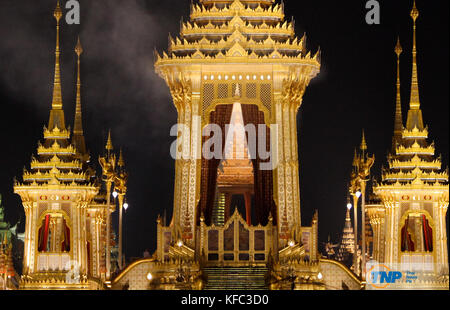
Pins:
x: 388, y: 277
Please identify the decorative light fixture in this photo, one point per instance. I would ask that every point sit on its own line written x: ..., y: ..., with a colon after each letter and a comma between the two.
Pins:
x: 358, y: 194
x: 349, y: 205
x: 149, y: 276
x: 291, y: 243
x: 125, y: 206
x: 115, y: 194
x: 180, y: 243
x: 320, y: 276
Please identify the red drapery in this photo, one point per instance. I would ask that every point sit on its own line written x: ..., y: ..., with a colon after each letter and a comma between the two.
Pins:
x: 427, y: 234
x: 221, y: 117
x: 88, y: 250
x: 407, y: 242
x: 65, y: 246
x: 44, y: 233
x: 263, y: 184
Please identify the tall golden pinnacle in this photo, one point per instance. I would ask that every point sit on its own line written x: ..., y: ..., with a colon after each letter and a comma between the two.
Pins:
x: 415, y: 100
x: 398, y: 125
x: 78, y: 129
x: 57, y: 97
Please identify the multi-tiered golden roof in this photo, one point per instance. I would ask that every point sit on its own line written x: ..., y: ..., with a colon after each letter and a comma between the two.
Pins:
x: 247, y: 31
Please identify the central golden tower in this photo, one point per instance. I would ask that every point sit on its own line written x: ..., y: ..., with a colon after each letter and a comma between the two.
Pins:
x: 238, y: 52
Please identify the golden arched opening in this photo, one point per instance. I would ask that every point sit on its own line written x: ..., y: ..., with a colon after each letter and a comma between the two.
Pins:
x: 416, y: 233
x: 54, y: 232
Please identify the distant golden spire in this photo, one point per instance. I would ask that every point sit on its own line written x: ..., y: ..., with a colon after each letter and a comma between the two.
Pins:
x: 363, y: 142
x: 355, y: 159
x: 415, y: 100
x: 121, y: 162
x: 398, y: 125
x: 57, y: 97
x: 109, y: 145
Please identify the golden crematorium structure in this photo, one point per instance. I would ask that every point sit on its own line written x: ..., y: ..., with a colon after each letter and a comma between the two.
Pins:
x: 236, y: 220
x: 237, y: 63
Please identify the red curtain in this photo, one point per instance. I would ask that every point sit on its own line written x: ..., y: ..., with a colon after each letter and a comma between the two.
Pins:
x: 427, y: 234
x: 407, y: 242
x: 65, y: 247
x: 221, y: 117
x: 263, y: 184
x: 88, y: 250
x: 44, y: 233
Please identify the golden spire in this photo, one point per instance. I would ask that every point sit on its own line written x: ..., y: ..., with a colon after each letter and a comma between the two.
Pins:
x: 121, y: 162
x: 57, y: 97
x: 57, y: 114
x: 355, y: 159
x: 363, y: 142
x: 415, y: 100
x: 78, y: 128
x: 398, y: 125
x: 109, y: 145
x: 78, y: 137
x: 415, y: 119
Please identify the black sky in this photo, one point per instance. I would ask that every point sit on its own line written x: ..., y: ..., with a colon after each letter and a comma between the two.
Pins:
x: 355, y: 90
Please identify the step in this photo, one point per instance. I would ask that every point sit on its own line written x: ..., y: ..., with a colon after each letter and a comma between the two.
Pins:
x: 235, y: 278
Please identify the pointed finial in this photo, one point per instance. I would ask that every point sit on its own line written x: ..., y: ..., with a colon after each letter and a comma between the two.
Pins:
x: 58, y: 12
x: 79, y: 48
x: 109, y: 145
x: 414, y: 12
x: 363, y: 142
x: 121, y: 161
x: 398, y: 47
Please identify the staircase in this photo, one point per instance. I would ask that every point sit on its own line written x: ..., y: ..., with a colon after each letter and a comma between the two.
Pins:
x: 235, y: 278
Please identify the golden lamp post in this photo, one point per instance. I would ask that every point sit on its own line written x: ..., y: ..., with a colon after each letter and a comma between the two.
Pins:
x: 355, y: 192
x: 365, y: 164
x: 120, y: 182
x: 108, y: 164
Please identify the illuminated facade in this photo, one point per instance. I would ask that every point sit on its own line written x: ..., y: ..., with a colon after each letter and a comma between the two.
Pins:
x: 410, y: 224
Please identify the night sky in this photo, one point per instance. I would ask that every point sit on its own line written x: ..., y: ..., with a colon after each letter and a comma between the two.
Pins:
x: 355, y: 90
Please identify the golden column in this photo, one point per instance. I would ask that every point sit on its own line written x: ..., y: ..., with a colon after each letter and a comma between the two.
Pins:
x: 108, y: 164
x: 120, y: 185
